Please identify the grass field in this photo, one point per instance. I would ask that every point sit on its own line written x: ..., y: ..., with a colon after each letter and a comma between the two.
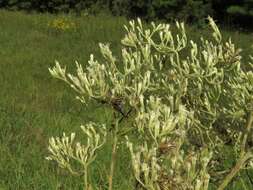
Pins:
x: 34, y: 106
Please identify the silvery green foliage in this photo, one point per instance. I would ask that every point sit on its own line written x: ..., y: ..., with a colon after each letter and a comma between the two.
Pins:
x: 161, y: 162
x: 179, y: 170
x: 146, y: 166
x: 156, y: 121
x: 64, y: 149
x: 185, y: 96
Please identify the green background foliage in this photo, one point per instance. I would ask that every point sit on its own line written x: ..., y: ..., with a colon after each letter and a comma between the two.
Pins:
x: 191, y: 11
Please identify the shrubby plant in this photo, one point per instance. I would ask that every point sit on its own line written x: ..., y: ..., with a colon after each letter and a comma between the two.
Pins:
x: 63, y: 150
x: 184, y: 102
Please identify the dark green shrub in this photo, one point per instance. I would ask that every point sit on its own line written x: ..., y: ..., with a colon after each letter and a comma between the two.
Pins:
x: 53, y: 6
x: 120, y: 7
x: 192, y: 11
x: 241, y: 13
x: 241, y: 8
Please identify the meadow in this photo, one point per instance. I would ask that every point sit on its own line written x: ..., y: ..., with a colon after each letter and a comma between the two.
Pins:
x: 34, y: 106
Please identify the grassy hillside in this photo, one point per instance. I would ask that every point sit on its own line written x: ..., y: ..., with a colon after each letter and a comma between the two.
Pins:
x: 34, y: 106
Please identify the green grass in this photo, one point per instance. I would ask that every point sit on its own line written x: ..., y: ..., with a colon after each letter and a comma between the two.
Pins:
x: 34, y: 106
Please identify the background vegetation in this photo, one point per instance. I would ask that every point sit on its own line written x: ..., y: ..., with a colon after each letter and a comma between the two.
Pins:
x: 34, y: 107
x: 231, y: 12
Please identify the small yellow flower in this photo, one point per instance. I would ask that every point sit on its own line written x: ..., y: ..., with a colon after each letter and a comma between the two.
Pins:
x: 62, y: 24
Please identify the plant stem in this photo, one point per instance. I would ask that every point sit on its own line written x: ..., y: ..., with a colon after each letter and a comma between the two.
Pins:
x: 248, y: 128
x: 85, y: 178
x: 243, y: 155
x: 113, y: 159
x: 235, y: 170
